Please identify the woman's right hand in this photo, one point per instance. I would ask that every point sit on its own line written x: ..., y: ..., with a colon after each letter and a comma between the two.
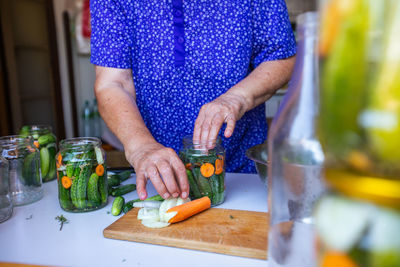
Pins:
x: 162, y: 166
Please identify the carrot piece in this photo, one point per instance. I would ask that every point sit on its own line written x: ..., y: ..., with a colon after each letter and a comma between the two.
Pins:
x: 66, y: 182
x: 36, y: 144
x: 188, y: 166
x: 335, y: 259
x: 189, y: 209
x: 219, y: 166
x: 207, y: 169
x: 59, y: 161
x: 100, y: 170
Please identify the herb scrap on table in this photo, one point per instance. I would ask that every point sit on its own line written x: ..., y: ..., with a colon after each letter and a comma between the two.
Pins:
x: 230, y: 216
x: 30, y: 217
x: 61, y: 219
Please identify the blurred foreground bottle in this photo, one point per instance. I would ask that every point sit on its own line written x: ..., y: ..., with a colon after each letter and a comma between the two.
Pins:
x: 358, y: 222
x: 294, y: 178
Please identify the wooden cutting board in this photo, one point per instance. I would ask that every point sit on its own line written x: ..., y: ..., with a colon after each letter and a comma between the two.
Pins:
x: 233, y: 232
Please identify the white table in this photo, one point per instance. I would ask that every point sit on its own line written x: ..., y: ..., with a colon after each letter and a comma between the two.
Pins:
x: 81, y: 243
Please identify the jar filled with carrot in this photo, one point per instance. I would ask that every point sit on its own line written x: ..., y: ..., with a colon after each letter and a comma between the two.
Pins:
x: 205, y: 169
x: 81, y: 175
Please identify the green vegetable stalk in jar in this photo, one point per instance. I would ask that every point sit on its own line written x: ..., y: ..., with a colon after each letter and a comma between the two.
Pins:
x: 205, y: 169
x: 82, y: 177
x: 358, y: 224
x: 46, y: 142
x: 359, y: 124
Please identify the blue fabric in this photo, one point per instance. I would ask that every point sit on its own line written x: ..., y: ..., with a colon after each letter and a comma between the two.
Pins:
x: 184, y: 54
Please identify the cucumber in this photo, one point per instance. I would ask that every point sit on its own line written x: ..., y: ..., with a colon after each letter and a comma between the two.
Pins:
x: 52, y: 170
x: 70, y: 170
x: 113, y: 181
x: 194, y: 190
x: 93, y: 193
x: 221, y: 183
x: 81, y: 190
x: 122, y: 190
x: 64, y: 196
x: 214, y: 181
x: 129, y: 205
x: 122, y: 176
x: 27, y: 178
x: 203, y: 184
x: 44, y: 161
x: 103, y: 188
x: 46, y: 139
x: 117, y: 205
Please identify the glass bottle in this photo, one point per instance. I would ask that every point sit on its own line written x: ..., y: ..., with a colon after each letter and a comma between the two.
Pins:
x: 294, y: 177
x: 81, y: 175
x: 87, y: 121
x: 205, y: 169
x: 359, y: 129
x: 6, y: 206
x: 24, y: 168
x: 46, y: 142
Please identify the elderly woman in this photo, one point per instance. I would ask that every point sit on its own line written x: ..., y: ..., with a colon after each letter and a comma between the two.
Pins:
x: 170, y: 68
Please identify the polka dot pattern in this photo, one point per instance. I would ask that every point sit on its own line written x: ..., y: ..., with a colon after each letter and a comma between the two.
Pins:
x: 223, y: 41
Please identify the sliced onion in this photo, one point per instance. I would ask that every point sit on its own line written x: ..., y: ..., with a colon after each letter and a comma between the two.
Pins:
x: 154, y: 224
x: 148, y: 204
x: 146, y: 213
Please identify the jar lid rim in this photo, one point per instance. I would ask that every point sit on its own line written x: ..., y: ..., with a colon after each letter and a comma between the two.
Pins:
x: 379, y: 190
x: 79, y: 141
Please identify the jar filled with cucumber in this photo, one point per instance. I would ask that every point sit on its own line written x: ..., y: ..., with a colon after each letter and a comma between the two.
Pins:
x: 205, y: 169
x: 46, y: 142
x: 81, y: 175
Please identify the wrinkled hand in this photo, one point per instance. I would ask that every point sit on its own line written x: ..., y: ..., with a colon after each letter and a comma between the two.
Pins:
x: 164, y: 169
x: 227, y: 108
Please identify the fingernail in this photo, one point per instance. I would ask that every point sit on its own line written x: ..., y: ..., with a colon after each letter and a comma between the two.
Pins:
x: 142, y: 195
x: 184, y: 195
x: 166, y: 195
x: 175, y: 194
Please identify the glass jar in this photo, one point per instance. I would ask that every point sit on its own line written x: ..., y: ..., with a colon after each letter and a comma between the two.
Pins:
x: 358, y: 223
x: 24, y: 168
x: 295, y: 172
x: 46, y: 142
x: 205, y: 168
x: 6, y: 207
x: 81, y: 175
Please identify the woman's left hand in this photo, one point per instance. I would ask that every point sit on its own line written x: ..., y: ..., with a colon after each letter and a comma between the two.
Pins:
x: 227, y: 108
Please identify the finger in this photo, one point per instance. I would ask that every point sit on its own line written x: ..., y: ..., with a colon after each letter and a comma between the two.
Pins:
x: 168, y: 177
x: 230, y: 126
x: 141, y: 181
x: 197, y: 125
x: 216, y: 125
x: 157, y: 182
x: 180, y: 174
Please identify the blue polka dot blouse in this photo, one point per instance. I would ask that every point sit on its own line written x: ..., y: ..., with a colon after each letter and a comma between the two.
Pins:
x: 184, y: 54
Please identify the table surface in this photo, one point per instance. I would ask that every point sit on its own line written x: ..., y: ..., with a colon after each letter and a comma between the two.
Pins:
x: 32, y: 234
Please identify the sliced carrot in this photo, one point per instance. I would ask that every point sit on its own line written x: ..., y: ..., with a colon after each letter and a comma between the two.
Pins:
x: 189, y: 209
x: 219, y: 166
x: 336, y: 259
x: 207, y: 169
x: 59, y: 161
x: 36, y: 143
x: 100, y: 170
x: 66, y: 182
x: 188, y: 166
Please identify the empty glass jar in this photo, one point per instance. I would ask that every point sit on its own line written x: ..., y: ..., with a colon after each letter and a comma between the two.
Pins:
x: 46, y: 142
x: 205, y: 169
x: 82, y: 175
x: 6, y: 207
x: 24, y: 168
